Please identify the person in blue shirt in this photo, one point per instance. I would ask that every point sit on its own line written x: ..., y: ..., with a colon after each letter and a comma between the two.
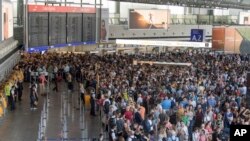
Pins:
x: 211, y: 101
x: 184, y: 103
x: 166, y: 104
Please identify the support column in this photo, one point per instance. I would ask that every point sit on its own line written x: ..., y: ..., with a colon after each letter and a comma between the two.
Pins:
x: 117, y: 7
x: 25, y: 9
x: 117, y: 10
x: 20, y: 12
x: 1, y: 26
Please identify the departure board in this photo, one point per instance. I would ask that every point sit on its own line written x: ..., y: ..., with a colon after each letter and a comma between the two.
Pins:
x: 89, y: 26
x: 74, y: 27
x: 38, y: 29
x: 57, y: 28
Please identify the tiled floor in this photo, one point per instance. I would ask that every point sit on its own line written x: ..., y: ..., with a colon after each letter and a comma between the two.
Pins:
x: 64, y: 120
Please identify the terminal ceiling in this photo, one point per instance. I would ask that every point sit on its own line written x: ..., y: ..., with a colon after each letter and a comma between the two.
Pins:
x: 237, y: 4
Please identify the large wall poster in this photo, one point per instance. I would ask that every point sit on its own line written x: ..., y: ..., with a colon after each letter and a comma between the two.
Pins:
x: 149, y: 19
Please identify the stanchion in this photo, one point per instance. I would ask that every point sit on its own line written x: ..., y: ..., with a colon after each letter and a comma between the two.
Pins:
x: 64, y: 120
x: 39, y: 132
x: 65, y: 132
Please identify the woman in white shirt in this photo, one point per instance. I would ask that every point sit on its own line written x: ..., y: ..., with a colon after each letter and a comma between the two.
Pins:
x: 196, y: 135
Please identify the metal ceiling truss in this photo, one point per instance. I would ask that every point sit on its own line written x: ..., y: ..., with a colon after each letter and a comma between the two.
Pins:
x: 237, y: 4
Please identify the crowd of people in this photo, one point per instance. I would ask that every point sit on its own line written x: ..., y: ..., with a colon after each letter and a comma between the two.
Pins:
x: 154, y: 102
x: 13, y: 88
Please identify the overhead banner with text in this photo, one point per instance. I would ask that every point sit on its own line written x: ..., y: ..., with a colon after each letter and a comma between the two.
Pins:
x: 60, y: 9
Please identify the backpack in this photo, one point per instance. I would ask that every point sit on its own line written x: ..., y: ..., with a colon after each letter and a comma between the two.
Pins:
x: 146, y: 126
x: 106, y: 107
x: 40, y: 80
x: 112, y: 121
x: 172, y: 104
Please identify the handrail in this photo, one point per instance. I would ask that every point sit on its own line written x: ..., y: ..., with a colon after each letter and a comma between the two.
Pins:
x: 187, y: 20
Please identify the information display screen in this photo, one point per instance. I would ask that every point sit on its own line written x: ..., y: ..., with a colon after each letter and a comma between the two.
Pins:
x: 57, y: 28
x: 38, y: 29
x: 60, y: 26
x: 74, y: 27
x: 89, y: 23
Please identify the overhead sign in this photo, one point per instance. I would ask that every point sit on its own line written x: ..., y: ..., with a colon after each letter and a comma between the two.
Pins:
x: 135, y: 62
x: 164, y: 43
x: 45, y: 48
x: 197, y: 35
x: 60, y: 9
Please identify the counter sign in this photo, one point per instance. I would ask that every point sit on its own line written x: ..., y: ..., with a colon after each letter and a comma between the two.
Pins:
x: 197, y: 35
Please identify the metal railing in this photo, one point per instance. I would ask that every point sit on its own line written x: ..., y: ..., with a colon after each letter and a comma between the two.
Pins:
x: 188, y: 20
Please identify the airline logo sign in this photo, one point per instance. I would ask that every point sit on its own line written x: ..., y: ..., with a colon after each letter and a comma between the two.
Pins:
x: 197, y: 35
x: 60, y: 9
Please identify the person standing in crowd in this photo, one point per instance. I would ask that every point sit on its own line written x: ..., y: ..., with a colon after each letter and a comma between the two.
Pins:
x: 93, y: 104
x: 33, y: 96
x: 82, y: 92
x: 20, y: 89
x: 70, y: 82
x: 56, y: 80
x: 12, y: 98
x: 42, y: 80
x: 112, y: 134
x: 173, y: 137
x: 198, y: 118
x: 8, y: 93
x: 196, y: 135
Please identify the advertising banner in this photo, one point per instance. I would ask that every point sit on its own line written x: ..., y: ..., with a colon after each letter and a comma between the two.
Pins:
x: 218, y: 38
x: 7, y: 18
x: 149, y: 19
x: 232, y: 39
x: 103, y: 25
